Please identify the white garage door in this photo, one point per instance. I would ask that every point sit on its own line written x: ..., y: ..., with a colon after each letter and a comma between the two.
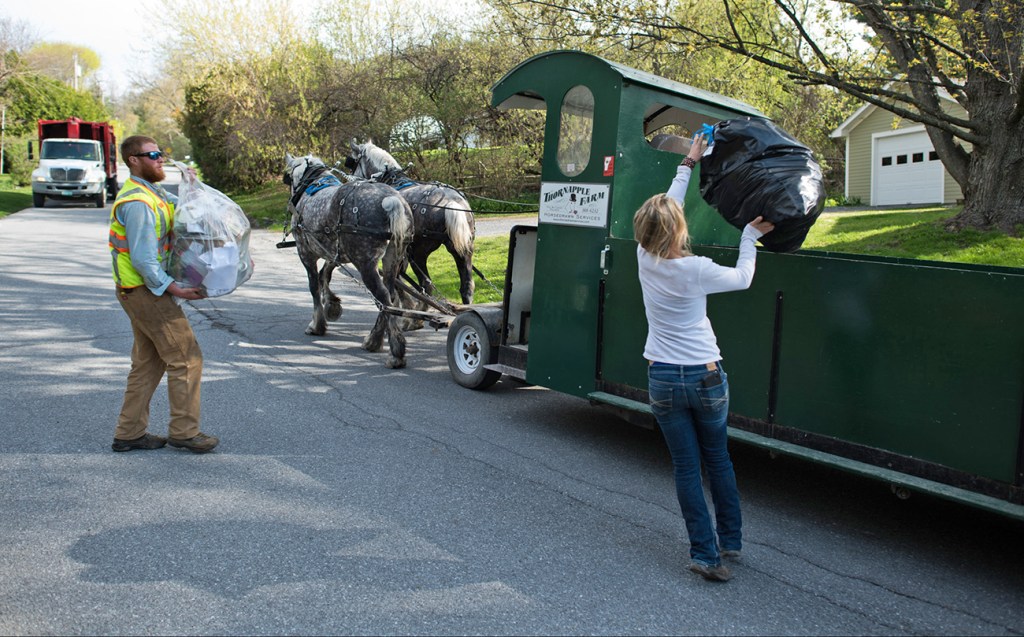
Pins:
x: 906, y: 170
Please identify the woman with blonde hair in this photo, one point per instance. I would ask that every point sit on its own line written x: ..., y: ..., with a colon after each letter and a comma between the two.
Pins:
x: 688, y: 387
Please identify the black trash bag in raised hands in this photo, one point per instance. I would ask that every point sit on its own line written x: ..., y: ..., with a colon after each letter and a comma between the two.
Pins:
x: 755, y: 168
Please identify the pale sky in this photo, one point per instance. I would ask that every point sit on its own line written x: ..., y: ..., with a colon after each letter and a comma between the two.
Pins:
x: 126, y: 33
x: 110, y: 28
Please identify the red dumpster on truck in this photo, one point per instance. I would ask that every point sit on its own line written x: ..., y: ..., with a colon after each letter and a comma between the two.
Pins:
x: 77, y: 160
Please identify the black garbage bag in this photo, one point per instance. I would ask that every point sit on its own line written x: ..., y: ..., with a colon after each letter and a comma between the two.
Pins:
x: 756, y: 168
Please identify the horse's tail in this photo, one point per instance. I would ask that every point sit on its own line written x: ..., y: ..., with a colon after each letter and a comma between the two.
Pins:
x: 399, y: 221
x: 458, y: 220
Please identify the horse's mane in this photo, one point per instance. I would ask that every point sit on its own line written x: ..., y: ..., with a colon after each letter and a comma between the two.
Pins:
x: 378, y: 158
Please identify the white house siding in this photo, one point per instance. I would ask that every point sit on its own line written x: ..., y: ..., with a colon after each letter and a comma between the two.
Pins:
x: 951, y: 191
x: 859, y: 153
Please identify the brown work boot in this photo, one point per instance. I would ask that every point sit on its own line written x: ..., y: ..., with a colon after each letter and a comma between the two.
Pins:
x: 145, y: 441
x: 713, y: 573
x: 199, y: 443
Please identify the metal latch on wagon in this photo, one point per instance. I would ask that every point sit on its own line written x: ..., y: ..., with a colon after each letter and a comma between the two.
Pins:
x: 606, y: 259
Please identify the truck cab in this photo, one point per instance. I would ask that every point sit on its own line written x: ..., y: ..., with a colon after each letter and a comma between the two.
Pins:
x: 78, y: 160
x: 70, y: 169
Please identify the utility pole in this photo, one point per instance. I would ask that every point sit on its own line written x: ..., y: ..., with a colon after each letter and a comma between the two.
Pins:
x: 3, y: 135
x: 77, y: 71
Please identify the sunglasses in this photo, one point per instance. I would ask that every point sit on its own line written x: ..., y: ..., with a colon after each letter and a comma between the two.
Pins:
x: 153, y: 154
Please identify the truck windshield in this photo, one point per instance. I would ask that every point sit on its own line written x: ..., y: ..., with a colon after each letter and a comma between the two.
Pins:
x: 69, y: 150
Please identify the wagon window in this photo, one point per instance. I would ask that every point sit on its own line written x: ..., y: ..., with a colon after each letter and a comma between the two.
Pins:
x: 670, y: 128
x: 575, y: 131
x: 673, y: 139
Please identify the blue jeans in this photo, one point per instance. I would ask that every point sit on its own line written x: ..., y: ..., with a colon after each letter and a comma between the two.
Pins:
x: 693, y: 418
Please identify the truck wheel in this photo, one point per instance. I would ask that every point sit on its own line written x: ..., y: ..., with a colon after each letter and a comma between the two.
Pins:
x: 469, y: 349
x: 38, y: 200
x: 101, y: 199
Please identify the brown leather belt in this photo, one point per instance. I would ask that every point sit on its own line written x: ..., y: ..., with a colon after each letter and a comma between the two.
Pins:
x: 121, y: 290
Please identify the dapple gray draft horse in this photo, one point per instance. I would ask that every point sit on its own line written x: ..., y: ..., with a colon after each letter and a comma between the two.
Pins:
x: 441, y: 215
x: 363, y: 223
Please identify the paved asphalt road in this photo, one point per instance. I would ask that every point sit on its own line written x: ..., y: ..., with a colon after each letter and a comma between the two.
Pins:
x: 347, y: 498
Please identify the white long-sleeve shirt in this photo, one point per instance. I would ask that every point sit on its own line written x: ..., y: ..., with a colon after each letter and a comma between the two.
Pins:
x: 675, y: 294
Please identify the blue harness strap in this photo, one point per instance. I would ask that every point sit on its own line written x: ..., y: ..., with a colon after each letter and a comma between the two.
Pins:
x: 327, y: 181
x: 405, y: 185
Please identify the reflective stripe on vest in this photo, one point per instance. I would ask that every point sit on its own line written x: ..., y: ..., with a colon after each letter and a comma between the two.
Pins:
x: 125, y: 274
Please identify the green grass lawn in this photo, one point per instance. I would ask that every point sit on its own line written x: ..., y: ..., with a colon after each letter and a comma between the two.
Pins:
x: 266, y: 207
x: 13, y: 198
x: 913, y: 234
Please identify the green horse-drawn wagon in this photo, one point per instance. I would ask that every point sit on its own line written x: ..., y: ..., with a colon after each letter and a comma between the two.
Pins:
x: 908, y: 371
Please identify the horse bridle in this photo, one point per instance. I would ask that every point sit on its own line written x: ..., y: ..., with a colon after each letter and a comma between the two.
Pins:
x: 311, y: 174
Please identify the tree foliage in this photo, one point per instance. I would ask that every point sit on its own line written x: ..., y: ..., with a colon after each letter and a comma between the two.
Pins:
x: 970, y: 50
x: 29, y: 98
x: 242, y: 120
x: 57, y: 60
x: 258, y: 82
x: 34, y: 97
x: 369, y: 72
x: 16, y: 37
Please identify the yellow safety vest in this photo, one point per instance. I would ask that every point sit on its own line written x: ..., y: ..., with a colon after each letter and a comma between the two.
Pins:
x: 125, y: 274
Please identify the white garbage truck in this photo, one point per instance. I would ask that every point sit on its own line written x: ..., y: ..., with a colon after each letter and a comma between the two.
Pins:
x: 77, y: 160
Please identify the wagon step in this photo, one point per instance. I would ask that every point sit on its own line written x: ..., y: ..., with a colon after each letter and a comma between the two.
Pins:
x: 507, y: 370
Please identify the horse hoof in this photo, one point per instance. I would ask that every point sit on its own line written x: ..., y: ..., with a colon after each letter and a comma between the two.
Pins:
x: 312, y: 331
x: 371, y: 347
x: 395, y: 363
x: 334, y: 311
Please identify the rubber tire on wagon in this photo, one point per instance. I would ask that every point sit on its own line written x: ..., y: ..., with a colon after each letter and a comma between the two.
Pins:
x: 470, y: 347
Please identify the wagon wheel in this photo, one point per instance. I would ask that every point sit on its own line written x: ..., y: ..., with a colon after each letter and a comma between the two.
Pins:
x: 469, y: 349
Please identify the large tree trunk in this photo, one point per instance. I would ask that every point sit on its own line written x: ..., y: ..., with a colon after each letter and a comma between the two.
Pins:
x: 994, y: 189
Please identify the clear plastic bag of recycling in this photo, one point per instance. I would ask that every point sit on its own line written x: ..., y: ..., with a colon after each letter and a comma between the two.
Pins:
x: 211, y: 239
x: 754, y: 168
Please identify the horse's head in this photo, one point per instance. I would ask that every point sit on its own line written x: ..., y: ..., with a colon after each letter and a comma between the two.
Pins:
x: 368, y: 159
x: 296, y: 169
x: 299, y: 172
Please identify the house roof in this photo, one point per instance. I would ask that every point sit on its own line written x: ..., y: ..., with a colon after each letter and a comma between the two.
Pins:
x: 867, y: 109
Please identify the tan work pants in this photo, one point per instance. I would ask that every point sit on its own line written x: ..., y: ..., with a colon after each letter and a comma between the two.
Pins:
x: 164, y: 343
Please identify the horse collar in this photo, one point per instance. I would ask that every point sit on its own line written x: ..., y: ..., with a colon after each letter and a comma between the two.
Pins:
x: 308, y: 178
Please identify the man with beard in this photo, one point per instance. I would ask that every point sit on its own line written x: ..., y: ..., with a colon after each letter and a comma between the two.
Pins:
x: 141, y: 224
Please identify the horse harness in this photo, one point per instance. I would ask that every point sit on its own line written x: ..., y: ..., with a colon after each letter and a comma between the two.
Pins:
x: 397, y: 179
x: 312, y: 182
